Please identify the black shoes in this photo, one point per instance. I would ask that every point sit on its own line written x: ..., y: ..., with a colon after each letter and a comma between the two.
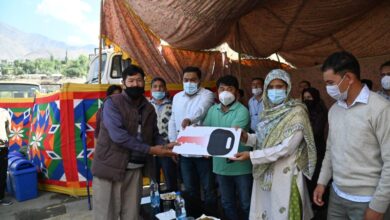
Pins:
x: 5, y: 202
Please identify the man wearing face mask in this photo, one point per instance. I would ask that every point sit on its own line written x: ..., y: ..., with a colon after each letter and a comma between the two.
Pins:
x: 189, y: 107
x: 357, y: 153
x: 256, y: 102
x: 385, y: 80
x: 128, y: 134
x: 234, y: 178
x: 163, y: 107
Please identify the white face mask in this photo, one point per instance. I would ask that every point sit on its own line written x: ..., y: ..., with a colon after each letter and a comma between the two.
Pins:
x: 256, y: 91
x: 334, y: 92
x: 386, y: 82
x: 226, y: 98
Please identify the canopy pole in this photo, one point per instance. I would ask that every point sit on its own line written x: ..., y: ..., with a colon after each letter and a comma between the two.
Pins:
x: 239, y: 54
x: 100, y: 42
x: 277, y: 56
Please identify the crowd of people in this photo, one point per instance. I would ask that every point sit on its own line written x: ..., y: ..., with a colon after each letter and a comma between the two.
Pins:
x: 295, y: 159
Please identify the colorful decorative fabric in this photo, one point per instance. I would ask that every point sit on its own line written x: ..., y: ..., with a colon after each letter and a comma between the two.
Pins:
x: 58, y: 129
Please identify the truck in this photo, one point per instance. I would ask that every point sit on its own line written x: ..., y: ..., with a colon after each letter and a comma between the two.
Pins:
x: 112, y: 67
x: 18, y: 89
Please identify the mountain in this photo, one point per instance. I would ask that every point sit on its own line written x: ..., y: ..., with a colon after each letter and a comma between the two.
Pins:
x: 16, y: 44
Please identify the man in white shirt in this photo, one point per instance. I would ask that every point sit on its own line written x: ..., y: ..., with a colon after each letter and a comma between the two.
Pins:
x: 255, y: 103
x: 5, y: 128
x: 385, y: 80
x: 357, y: 153
x: 189, y: 107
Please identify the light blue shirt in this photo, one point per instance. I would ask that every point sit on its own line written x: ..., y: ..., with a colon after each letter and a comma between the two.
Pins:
x: 353, y: 198
x: 255, y: 109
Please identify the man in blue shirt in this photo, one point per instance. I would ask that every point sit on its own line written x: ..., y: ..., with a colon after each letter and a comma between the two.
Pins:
x: 256, y: 102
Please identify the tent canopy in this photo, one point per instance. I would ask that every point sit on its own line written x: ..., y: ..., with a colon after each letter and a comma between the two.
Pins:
x: 304, y: 32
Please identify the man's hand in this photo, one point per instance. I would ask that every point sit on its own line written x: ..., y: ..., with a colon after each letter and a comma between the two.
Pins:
x: 241, y: 156
x: 317, y: 195
x: 244, y: 134
x: 160, y: 150
x: 171, y: 145
x: 186, y: 122
x: 373, y: 215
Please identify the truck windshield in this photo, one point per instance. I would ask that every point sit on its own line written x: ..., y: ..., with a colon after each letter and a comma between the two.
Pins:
x: 18, y: 90
x: 94, y: 68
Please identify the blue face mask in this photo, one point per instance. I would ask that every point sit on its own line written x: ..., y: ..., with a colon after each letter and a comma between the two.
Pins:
x: 276, y: 96
x: 158, y: 95
x: 190, y: 88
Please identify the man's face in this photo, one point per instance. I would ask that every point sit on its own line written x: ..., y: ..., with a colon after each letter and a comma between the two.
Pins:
x: 222, y: 87
x: 191, y: 77
x: 302, y: 86
x: 134, y: 81
x: 331, y: 79
x: 158, y: 86
x: 385, y: 71
x: 256, y: 84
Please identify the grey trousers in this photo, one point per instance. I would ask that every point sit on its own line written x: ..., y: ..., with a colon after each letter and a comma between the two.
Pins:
x: 118, y: 200
x: 342, y: 209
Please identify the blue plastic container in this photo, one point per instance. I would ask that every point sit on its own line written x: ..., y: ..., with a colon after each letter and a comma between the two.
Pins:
x: 15, y: 154
x: 23, y: 179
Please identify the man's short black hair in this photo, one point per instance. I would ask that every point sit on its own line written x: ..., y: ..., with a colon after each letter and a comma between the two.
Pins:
x: 258, y: 78
x: 342, y: 62
x: 158, y: 79
x: 367, y: 82
x: 305, y: 81
x: 111, y: 89
x: 387, y: 63
x: 228, y: 80
x: 131, y: 71
x: 193, y: 69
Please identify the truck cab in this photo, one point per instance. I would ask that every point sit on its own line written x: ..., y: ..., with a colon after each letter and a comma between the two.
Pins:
x: 112, y: 67
x: 18, y: 89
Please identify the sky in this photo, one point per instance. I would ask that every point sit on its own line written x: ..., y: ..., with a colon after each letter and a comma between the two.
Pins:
x: 75, y: 22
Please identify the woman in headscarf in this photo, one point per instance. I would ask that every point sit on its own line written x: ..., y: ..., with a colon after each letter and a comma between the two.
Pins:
x: 284, y: 152
x: 318, y: 115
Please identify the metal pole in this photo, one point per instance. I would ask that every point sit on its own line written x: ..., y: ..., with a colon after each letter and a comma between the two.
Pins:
x: 100, y: 42
x: 239, y: 54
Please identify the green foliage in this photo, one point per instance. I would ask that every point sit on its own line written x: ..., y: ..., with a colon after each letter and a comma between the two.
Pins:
x: 70, y: 68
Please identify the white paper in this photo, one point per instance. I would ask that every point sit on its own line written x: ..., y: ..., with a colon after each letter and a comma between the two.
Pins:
x: 168, y: 215
x: 208, y: 141
x: 145, y: 200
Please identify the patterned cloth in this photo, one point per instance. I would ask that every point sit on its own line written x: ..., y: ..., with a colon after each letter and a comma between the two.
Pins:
x: 280, y: 122
x: 164, y: 112
x: 294, y: 211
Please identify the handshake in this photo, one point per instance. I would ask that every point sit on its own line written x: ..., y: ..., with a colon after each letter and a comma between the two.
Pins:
x: 163, y: 150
